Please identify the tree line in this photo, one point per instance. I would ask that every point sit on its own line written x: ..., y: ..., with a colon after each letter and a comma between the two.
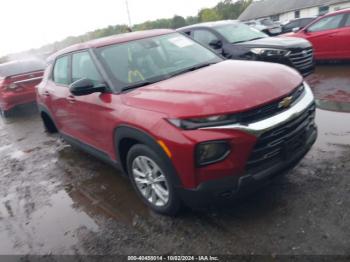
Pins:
x: 225, y: 9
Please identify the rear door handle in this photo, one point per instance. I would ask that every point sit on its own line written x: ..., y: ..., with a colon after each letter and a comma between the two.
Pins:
x: 71, y: 99
x: 46, y: 93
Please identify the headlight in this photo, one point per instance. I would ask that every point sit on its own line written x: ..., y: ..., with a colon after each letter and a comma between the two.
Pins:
x: 269, y: 51
x: 195, y: 123
x: 211, y: 152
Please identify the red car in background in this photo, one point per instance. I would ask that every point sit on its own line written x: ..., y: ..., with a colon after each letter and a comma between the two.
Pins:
x: 17, y: 83
x: 329, y: 35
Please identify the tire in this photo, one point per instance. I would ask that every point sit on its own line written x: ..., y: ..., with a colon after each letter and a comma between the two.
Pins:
x: 49, y: 125
x: 151, y: 180
x: 4, y: 114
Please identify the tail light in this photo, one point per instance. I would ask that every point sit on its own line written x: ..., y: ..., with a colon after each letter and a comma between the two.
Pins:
x: 6, y: 86
x: 12, y: 86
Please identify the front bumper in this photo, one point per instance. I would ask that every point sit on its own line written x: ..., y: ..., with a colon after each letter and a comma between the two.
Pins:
x: 301, y: 59
x: 299, y: 119
x: 233, y: 187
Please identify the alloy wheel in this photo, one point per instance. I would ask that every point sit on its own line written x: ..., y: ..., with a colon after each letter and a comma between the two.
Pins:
x: 150, y: 180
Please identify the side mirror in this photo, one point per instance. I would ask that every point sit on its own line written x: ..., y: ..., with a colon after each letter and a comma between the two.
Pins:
x: 85, y: 86
x: 295, y: 29
x: 216, y: 44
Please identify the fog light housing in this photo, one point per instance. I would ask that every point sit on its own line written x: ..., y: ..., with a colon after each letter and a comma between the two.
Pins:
x: 211, y: 152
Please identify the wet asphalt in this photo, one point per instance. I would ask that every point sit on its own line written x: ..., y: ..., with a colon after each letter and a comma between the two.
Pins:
x: 55, y: 199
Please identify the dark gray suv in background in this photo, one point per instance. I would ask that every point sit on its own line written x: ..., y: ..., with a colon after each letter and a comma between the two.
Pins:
x: 235, y: 40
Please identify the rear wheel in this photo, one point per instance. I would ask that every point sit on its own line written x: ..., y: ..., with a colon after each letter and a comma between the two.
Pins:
x: 4, y: 113
x: 49, y: 125
x: 151, y: 179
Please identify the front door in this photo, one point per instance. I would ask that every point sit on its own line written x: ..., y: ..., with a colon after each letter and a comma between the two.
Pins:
x: 323, y: 35
x: 92, y: 113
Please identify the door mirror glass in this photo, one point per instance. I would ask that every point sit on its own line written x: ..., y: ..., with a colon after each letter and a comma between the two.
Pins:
x: 296, y: 29
x: 85, y: 86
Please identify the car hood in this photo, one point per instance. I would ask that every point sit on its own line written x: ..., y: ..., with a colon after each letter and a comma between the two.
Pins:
x: 278, y: 42
x: 226, y: 87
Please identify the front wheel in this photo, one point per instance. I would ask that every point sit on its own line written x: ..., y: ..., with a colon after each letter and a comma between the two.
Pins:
x: 151, y: 179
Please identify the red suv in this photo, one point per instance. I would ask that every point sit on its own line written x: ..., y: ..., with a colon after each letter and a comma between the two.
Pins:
x: 17, y: 83
x: 183, y: 124
x: 329, y: 35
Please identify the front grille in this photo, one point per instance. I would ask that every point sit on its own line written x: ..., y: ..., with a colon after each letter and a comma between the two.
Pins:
x: 277, y: 144
x: 271, y: 109
x: 302, y: 58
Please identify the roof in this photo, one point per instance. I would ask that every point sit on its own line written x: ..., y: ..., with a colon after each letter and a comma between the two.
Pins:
x: 266, y: 8
x: 208, y: 24
x: 110, y: 40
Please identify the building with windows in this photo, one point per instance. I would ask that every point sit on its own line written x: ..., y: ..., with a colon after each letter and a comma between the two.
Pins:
x: 284, y: 10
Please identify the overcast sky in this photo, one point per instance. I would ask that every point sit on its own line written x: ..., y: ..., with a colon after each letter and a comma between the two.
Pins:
x: 26, y: 24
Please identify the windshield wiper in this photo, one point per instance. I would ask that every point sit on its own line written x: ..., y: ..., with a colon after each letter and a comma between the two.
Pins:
x: 193, y: 68
x: 247, y: 40
x: 145, y: 83
x: 256, y: 38
x: 137, y: 85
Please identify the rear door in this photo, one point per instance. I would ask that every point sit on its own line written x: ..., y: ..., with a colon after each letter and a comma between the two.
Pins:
x: 324, y: 35
x: 56, y: 93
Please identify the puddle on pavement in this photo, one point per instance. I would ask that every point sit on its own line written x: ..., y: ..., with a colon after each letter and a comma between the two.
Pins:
x: 333, y: 127
x: 331, y: 82
x: 331, y: 86
x: 106, y: 190
x: 51, y: 227
x: 335, y: 106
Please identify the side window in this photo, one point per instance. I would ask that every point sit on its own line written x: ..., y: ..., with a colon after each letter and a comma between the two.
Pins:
x: 84, y: 67
x: 327, y: 23
x: 292, y: 25
x: 60, y: 71
x: 204, y: 36
x: 347, y: 21
x: 305, y: 22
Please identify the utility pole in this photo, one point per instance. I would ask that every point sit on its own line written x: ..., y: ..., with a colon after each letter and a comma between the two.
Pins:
x: 128, y: 12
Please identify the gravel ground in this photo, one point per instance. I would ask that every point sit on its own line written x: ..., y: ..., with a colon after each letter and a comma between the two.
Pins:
x: 55, y: 199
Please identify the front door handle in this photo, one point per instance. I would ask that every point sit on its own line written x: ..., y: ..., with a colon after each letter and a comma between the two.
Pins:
x: 71, y: 99
x: 46, y: 93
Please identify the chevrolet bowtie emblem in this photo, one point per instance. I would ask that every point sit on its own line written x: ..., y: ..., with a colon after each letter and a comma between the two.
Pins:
x: 285, y: 102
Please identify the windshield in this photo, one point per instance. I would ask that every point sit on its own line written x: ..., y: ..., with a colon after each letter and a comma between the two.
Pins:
x: 238, y: 32
x: 153, y: 59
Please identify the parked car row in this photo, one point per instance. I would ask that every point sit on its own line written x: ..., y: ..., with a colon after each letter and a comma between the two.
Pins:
x: 17, y: 82
x: 180, y: 113
x: 329, y: 35
x: 296, y: 24
x: 235, y: 40
x: 266, y: 26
